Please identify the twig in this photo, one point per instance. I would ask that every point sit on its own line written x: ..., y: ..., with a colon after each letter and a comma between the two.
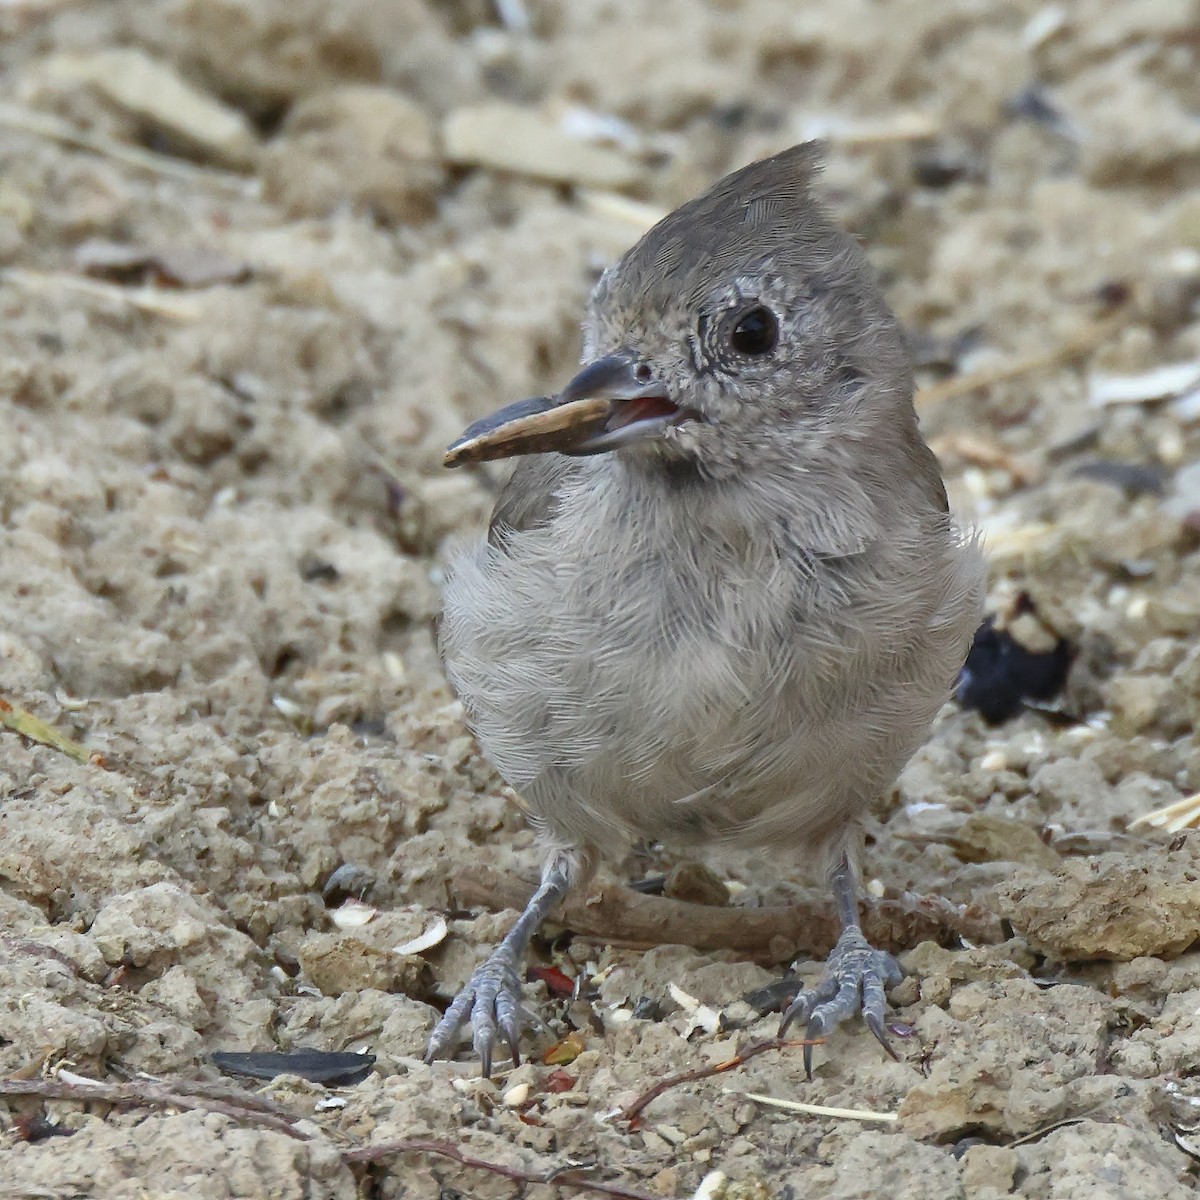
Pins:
x: 1081, y: 343
x: 146, y: 299
x: 617, y: 916
x: 39, y: 950
x: 145, y: 1093
x: 255, y: 1109
x: 632, y: 1111
x: 910, y: 126
x: 620, y: 208
x: 54, y: 129
x: 817, y: 1110
x: 1041, y: 1132
x: 225, y: 1091
x: 560, y: 1178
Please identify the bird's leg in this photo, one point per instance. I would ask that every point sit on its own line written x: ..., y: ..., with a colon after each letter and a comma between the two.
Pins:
x: 855, y: 975
x: 492, y: 996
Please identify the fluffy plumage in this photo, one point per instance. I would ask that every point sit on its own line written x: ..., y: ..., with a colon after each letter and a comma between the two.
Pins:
x: 740, y: 634
x: 738, y: 631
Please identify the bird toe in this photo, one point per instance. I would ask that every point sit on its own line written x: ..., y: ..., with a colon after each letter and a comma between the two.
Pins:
x: 856, y: 976
x: 491, y: 1002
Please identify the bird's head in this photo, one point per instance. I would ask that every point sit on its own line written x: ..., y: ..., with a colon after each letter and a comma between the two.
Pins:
x: 744, y: 329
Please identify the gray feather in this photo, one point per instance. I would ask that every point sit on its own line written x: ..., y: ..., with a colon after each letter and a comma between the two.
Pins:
x: 741, y: 632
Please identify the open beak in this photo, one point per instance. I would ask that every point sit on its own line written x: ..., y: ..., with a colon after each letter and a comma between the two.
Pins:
x: 604, y: 407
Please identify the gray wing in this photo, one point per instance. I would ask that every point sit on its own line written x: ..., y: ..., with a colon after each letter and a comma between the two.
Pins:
x: 927, y: 469
x: 530, y: 497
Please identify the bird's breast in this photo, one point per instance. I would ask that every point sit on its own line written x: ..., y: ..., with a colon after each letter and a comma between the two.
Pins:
x: 641, y: 678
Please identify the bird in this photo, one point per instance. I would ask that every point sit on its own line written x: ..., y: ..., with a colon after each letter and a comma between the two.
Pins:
x: 721, y: 597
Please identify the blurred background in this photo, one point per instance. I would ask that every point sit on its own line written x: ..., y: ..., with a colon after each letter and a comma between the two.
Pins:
x: 261, y: 260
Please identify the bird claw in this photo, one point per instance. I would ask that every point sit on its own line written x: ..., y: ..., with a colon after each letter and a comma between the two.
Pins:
x: 853, y: 984
x: 491, y: 1000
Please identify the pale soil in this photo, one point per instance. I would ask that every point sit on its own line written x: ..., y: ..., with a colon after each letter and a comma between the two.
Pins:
x: 224, y: 515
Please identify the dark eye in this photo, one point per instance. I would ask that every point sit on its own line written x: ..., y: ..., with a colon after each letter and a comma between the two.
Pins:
x: 756, y: 332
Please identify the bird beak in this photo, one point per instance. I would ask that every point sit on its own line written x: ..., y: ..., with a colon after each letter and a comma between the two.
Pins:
x: 604, y: 407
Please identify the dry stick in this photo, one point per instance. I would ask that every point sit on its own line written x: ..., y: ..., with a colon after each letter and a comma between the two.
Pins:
x: 558, y: 1178
x: 225, y: 1092
x: 1045, y: 1129
x: 617, y: 916
x: 632, y: 1111
x: 45, y: 125
x: 39, y: 950
x: 259, y: 1110
x: 150, y: 1094
x: 815, y: 1110
x: 149, y: 299
x: 1081, y: 343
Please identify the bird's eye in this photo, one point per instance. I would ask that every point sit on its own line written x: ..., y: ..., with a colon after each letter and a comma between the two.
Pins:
x: 756, y: 332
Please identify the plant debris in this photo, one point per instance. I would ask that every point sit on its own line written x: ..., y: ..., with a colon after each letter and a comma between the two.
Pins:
x: 27, y: 725
x: 1014, y: 659
x: 334, y: 1069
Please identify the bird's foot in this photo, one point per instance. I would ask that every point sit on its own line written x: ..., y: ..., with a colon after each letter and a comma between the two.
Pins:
x: 492, y: 996
x: 491, y: 999
x: 854, y: 981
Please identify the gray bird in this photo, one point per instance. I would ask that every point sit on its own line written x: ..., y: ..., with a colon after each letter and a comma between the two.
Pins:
x: 724, y: 599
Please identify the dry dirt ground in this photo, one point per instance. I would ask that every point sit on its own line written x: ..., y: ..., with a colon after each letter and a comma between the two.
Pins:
x: 260, y: 260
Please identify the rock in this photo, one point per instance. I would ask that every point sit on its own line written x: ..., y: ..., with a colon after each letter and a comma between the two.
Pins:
x: 1004, y: 1057
x: 1009, y: 960
x: 1113, y: 906
x: 1187, y: 677
x: 987, y: 837
x: 152, y: 928
x: 1137, y: 702
x: 507, y: 137
x: 369, y: 148
x: 1184, y: 498
x: 265, y: 54
x: 175, y: 1155
x: 1136, y: 131
x: 336, y: 963
x: 711, y: 983
x: 399, y: 1026
x: 156, y: 928
x: 989, y: 1171
x: 876, y: 1164
x: 47, y: 1010
x: 175, y: 990
x: 696, y: 883
x: 1167, y: 1042
x: 175, y: 111
x: 1074, y: 786
x: 1104, y: 1160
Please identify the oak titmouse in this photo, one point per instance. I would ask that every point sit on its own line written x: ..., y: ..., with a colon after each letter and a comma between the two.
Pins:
x: 722, y: 599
